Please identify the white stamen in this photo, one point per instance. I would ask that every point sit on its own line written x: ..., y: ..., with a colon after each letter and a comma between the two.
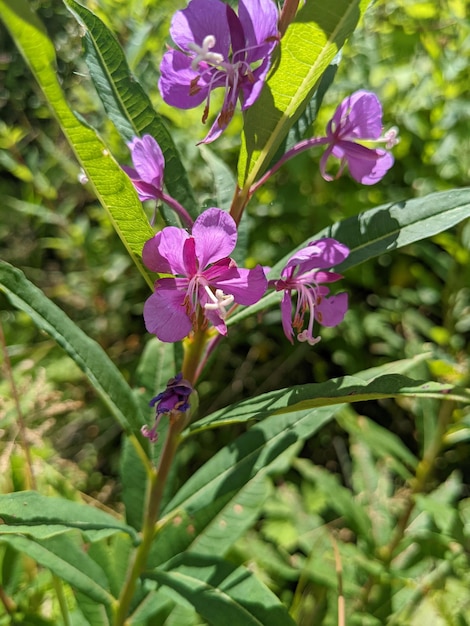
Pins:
x: 203, y: 54
x: 306, y: 336
x: 391, y: 137
x: 220, y: 301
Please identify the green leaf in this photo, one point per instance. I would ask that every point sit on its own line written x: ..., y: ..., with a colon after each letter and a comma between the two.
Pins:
x: 112, y: 186
x: 214, y: 528
x: 217, y: 588
x: 335, y: 391
x: 28, y: 509
x: 126, y: 103
x: 257, y: 452
x: 306, y: 50
x: 87, y: 354
x: 134, y: 481
x: 382, y: 229
x: 66, y: 557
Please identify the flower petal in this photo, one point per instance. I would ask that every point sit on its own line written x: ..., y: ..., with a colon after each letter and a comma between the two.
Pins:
x: 318, y: 254
x: 366, y: 165
x: 359, y: 116
x: 259, y: 19
x: 331, y: 311
x: 215, y: 233
x: 148, y: 160
x: 247, y: 286
x: 198, y: 20
x: 286, y: 315
x: 176, y: 78
x: 164, y: 252
x: 164, y: 312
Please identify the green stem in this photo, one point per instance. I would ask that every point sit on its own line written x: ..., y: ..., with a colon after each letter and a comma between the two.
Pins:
x: 193, y: 353
x: 157, y: 481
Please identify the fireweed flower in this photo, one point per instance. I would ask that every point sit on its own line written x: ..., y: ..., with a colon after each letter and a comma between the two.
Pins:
x: 174, y: 398
x: 358, y: 118
x: 205, y: 281
x: 219, y: 48
x: 304, y: 273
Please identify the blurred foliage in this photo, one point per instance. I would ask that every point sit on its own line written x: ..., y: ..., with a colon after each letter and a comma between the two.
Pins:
x: 416, y: 56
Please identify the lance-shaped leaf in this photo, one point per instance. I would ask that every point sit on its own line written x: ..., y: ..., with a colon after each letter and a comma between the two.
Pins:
x: 126, y: 103
x: 66, y: 557
x: 346, y: 389
x: 23, y: 511
x: 306, y: 50
x: 112, y: 186
x: 87, y: 354
x: 218, y: 588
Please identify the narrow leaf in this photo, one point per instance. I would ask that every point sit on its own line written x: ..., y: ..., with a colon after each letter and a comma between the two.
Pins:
x: 112, y: 186
x: 218, y: 588
x: 68, y: 560
x: 335, y: 391
x: 30, y: 508
x: 257, y: 452
x: 214, y: 528
x: 126, y: 103
x: 87, y: 354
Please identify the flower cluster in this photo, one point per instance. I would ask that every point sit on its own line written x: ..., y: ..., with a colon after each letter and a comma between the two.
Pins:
x: 218, y: 48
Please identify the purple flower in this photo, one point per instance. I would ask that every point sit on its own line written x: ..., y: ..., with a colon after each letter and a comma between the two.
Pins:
x: 304, y: 272
x: 358, y: 117
x: 205, y: 279
x: 174, y: 398
x: 149, y: 165
x: 219, y: 49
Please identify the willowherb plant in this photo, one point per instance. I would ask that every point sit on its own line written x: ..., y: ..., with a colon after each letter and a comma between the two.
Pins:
x: 171, y: 549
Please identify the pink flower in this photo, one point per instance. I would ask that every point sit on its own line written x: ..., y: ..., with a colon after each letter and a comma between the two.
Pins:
x: 303, y: 273
x: 219, y: 48
x: 205, y: 281
x: 358, y: 118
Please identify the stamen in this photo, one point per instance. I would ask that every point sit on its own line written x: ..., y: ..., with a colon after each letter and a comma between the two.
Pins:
x: 391, y: 137
x: 220, y: 301
x: 203, y: 54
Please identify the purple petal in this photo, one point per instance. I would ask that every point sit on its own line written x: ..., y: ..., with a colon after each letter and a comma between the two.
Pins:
x: 215, y: 233
x: 286, y: 314
x: 148, y: 160
x: 247, y: 286
x: 176, y: 77
x: 164, y: 252
x: 165, y: 314
x: 199, y: 19
x: 359, y: 116
x: 331, y: 311
x: 259, y: 20
x: 319, y: 254
x: 251, y: 90
x: 366, y: 165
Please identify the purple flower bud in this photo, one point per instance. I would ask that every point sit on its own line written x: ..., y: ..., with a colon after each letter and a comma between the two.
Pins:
x: 174, y: 398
